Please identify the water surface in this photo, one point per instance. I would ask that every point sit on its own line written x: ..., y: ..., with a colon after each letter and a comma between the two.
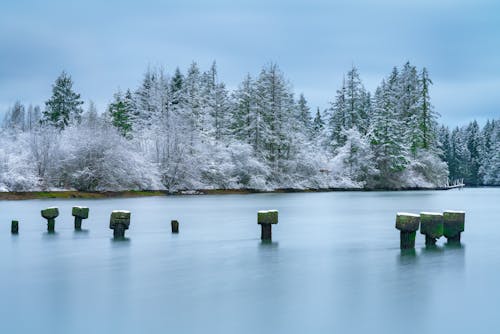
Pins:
x: 334, y: 266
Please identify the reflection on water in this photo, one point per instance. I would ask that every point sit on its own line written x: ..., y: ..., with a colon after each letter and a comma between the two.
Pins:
x: 268, y: 244
x: 342, y: 273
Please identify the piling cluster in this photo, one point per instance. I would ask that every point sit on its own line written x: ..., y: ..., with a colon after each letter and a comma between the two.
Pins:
x: 433, y: 225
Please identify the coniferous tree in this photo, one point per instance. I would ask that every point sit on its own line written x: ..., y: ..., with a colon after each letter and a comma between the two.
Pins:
x: 120, y: 112
x: 244, y: 120
x: 427, y: 117
x: 304, y: 114
x: 64, y: 105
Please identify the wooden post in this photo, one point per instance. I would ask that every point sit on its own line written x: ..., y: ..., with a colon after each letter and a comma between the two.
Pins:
x: 266, y: 219
x: 175, y: 226
x: 14, y: 227
x: 408, y: 224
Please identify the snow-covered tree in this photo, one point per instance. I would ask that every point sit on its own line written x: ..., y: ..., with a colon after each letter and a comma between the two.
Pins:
x: 64, y: 105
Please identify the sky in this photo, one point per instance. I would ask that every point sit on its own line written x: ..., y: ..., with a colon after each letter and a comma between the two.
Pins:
x: 107, y: 45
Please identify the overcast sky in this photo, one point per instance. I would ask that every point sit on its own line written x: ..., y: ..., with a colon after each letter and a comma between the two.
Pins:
x: 105, y: 45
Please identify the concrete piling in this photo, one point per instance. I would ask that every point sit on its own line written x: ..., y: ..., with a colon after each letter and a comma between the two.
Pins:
x: 80, y: 213
x: 14, y: 227
x: 50, y: 214
x: 266, y: 219
x: 453, y: 225
x: 175, y: 226
x: 431, y: 225
x: 119, y: 222
x: 408, y: 224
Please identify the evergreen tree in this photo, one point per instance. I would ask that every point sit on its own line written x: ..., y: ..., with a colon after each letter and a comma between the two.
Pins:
x: 244, y: 120
x: 317, y: 124
x: 338, y: 121
x: 387, y: 134
x: 120, y: 111
x: 427, y: 117
x: 64, y: 105
x: 304, y: 114
x: 473, y: 140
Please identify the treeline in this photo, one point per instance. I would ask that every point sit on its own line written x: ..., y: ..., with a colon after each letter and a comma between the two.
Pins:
x: 188, y: 131
x: 472, y: 153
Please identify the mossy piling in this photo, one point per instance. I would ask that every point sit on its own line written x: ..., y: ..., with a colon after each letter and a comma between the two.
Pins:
x: 119, y: 222
x: 266, y: 219
x: 431, y: 225
x: 175, y: 226
x: 14, y: 227
x: 453, y: 225
x: 407, y: 224
x: 80, y: 213
x: 50, y: 214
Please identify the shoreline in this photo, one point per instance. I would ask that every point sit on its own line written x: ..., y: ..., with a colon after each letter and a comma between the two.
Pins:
x: 68, y: 194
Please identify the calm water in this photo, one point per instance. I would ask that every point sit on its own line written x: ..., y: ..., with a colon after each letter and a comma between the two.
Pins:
x: 334, y: 266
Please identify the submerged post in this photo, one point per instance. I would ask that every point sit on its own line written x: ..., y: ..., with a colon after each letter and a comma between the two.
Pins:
x: 119, y: 222
x: 453, y: 225
x: 266, y: 219
x: 175, y: 226
x: 14, y: 227
x: 50, y: 214
x: 431, y: 225
x: 408, y: 224
x: 80, y: 213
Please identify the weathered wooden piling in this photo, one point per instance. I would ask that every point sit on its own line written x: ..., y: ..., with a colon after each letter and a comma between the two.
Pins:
x: 266, y: 219
x: 408, y: 224
x: 14, y: 227
x: 431, y: 225
x: 453, y: 225
x: 175, y: 226
x: 80, y: 213
x: 119, y: 222
x: 50, y: 214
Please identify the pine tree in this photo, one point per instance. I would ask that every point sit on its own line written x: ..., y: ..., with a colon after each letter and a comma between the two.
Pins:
x: 318, y: 124
x: 338, y: 121
x: 244, y: 121
x: 408, y: 97
x: 473, y: 140
x: 65, y: 105
x: 304, y: 114
x: 387, y: 132
x: 120, y: 111
x: 427, y: 118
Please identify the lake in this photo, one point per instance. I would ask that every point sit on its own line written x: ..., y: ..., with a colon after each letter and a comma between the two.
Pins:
x: 334, y: 266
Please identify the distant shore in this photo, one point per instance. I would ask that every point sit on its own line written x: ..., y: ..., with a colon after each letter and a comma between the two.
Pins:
x: 147, y: 193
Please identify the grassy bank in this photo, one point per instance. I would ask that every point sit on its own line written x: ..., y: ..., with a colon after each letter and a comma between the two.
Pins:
x: 77, y: 194
x: 145, y: 193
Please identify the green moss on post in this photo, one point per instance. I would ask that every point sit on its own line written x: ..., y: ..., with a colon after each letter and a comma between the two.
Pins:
x: 453, y: 225
x: 408, y: 224
x: 14, y: 227
x: 266, y: 219
x: 80, y: 213
x: 431, y: 225
x: 175, y: 226
x: 119, y: 222
x: 50, y: 214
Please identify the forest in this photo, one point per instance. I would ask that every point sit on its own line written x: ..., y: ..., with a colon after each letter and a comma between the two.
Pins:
x: 187, y: 131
